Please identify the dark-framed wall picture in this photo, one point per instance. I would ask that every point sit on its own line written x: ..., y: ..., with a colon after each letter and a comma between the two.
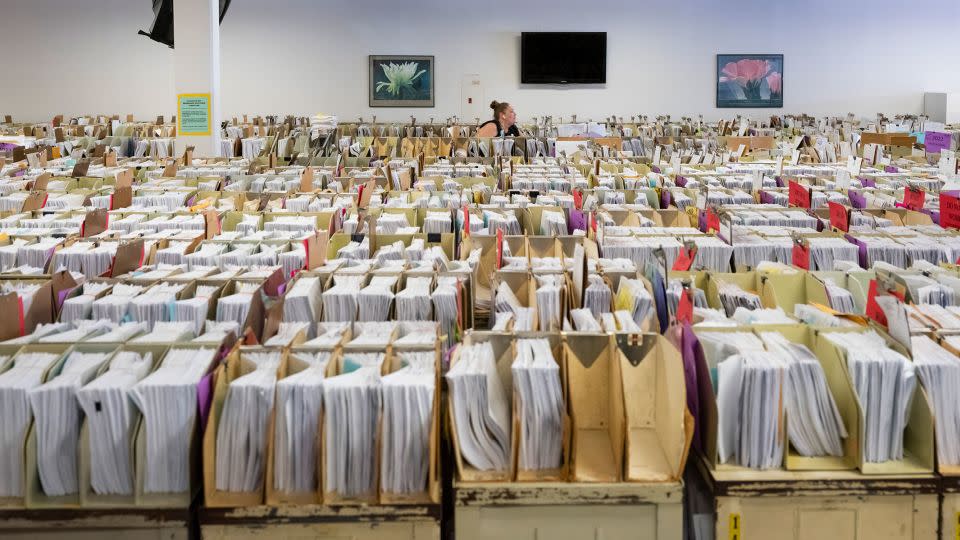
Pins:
x: 401, y: 81
x: 749, y: 80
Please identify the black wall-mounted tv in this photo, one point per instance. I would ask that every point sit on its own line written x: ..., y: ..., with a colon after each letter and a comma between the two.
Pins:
x: 563, y: 57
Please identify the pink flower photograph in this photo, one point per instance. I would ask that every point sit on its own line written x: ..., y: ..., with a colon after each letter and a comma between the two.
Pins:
x: 749, y: 80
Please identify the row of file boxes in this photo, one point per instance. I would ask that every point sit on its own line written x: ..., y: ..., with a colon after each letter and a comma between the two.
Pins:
x: 86, y: 497
x: 626, y: 418
x: 918, y: 436
x: 236, y: 365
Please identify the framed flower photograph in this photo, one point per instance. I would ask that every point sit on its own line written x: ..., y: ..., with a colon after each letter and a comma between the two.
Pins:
x: 749, y: 80
x: 401, y: 81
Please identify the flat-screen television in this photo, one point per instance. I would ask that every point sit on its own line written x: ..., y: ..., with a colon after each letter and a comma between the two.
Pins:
x: 563, y: 57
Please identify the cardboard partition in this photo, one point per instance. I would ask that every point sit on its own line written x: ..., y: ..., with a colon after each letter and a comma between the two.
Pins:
x: 89, y: 498
x: 843, y: 396
x: 43, y: 309
x: 28, y: 449
x: 535, y: 215
x: 35, y: 495
x: 787, y: 290
x: 596, y: 405
x: 502, y: 344
x: 431, y: 492
x: 184, y: 499
x: 235, y: 367
x: 333, y: 498
x: 559, y: 474
x: 524, y: 287
x: 543, y: 247
x: 857, y: 282
x: 278, y: 498
x: 918, y: 439
x: 748, y: 281
x: 657, y: 437
x: 706, y: 374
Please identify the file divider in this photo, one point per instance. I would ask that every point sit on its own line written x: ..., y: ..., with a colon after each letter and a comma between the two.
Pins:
x: 595, y: 398
x: 562, y: 473
x: 918, y: 439
x: 659, y: 429
x: 88, y: 498
x: 29, y: 449
x: 35, y: 496
x: 502, y: 344
x: 195, y: 452
x: 431, y: 495
x: 234, y: 367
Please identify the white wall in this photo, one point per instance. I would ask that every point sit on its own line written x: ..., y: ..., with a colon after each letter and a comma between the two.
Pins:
x: 306, y: 56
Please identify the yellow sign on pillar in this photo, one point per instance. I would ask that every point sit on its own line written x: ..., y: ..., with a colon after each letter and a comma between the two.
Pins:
x: 193, y: 114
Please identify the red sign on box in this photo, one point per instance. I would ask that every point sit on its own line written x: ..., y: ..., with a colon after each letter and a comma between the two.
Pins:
x: 839, y: 216
x: 684, y: 260
x: 801, y: 255
x: 799, y: 195
x: 913, y: 198
x: 578, y: 199
x: 949, y: 211
x: 685, y: 308
x: 873, y: 308
x: 713, y: 220
x: 466, y: 221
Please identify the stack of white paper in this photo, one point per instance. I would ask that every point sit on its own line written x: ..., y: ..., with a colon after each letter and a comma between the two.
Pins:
x: 293, y: 260
x: 352, y: 402
x: 826, y: 253
x: 536, y: 383
x: 481, y: 408
x: 83, y: 330
x: 153, y: 305
x: 884, y: 381
x: 242, y: 433
x: 340, y: 301
x: 194, y: 310
x: 167, y: 332
x: 215, y: 331
x: 57, y: 416
x: 121, y: 333
x: 167, y: 399
x: 813, y: 420
x: 407, y: 417
x: 377, y: 298
x: 302, y: 302
x: 584, y: 321
x: 25, y: 375
x: 553, y: 224
x: 748, y: 403
x: 733, y: 296
x: 549, y: 308
x: 939, y: 370
x: 111, y: 418
x: 436, y: 222
x: 81, y: 306
x: 235, y: 307
x: 633, y: 295
x: 287, y: 333
x: 840, y: 299
x: 414, y: 302
x: 299, y: 406
x: 597, y: 295
x: 115, y: 305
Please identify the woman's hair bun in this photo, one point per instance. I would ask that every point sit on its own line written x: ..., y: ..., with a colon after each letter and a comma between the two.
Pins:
x: 494, y: 104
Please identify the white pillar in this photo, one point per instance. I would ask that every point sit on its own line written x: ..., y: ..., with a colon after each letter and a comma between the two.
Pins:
x: 196, y: 66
